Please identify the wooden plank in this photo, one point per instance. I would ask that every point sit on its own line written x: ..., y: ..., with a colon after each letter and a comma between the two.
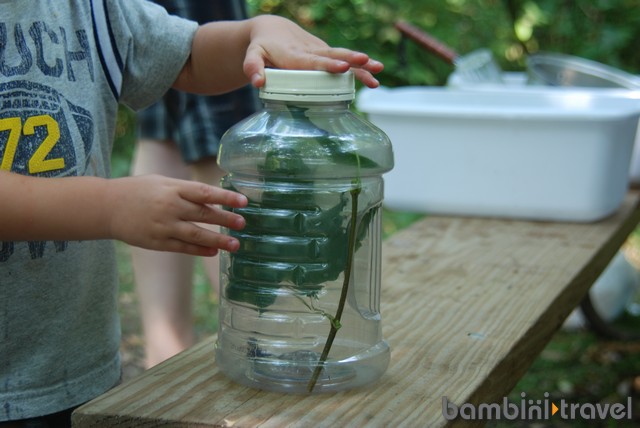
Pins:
x: 467, y: 305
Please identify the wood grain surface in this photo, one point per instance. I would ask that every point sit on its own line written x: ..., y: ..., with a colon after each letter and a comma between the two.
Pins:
x: 467, y: 305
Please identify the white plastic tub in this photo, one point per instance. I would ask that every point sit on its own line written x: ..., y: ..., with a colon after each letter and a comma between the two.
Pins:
x: 542, y: 155
x: 517, y: 81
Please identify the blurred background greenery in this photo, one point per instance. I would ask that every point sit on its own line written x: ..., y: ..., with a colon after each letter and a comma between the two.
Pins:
x: 602, y: 30
x: 577, y: 366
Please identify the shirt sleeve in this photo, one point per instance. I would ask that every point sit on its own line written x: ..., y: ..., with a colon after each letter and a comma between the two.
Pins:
x: 153, y: 47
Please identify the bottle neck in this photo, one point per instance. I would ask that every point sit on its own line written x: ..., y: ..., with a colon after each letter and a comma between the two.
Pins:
x: 306, y: 105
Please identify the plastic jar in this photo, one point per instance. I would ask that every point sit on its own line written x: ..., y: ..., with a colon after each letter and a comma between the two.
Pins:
x: 300, y: 300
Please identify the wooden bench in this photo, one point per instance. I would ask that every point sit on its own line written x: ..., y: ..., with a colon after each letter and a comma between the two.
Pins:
x: 467, y: 305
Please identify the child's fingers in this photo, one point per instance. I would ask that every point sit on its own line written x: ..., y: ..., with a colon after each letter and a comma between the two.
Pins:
x: 333, y: 60
x: 190, y: 238
x: 353, y: 58
x: 337, y: 60
x: 200, y: 193
x: 177, y: 246
x: 188, y: 211
x: 213, y: 215
x: 365, y: 77
x: 373, y: 66
x: 184, y: 247
x: 254, y: 65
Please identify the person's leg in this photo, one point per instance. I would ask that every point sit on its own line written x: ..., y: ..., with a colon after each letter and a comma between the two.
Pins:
x: 163, y: 279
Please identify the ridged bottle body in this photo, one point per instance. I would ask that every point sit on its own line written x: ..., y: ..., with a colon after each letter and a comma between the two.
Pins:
x: 308, y: 266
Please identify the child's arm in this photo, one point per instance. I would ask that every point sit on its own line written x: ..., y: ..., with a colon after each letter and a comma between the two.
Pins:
x: 152, y: 212
x: 227, y: 55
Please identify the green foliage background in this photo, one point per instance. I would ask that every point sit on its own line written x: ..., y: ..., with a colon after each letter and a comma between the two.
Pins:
x: 607, y: 31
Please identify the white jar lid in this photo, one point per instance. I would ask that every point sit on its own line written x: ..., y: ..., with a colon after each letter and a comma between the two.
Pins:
x: 306, y: 85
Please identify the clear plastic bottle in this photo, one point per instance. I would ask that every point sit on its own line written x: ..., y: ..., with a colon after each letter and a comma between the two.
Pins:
x: 300, y: 301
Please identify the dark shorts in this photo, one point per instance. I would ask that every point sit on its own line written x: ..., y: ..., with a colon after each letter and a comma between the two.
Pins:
x: 56, y: 420
x: 194, y: 122
x: 206, y: 10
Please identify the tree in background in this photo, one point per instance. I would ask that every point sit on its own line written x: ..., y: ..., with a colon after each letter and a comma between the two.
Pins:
x: 602, y: 30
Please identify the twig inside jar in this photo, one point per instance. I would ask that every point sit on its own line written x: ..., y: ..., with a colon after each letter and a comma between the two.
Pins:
x: 335, y: 324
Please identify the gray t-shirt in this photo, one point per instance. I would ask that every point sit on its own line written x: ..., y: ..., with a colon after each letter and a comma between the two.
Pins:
x: 64, y: 68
